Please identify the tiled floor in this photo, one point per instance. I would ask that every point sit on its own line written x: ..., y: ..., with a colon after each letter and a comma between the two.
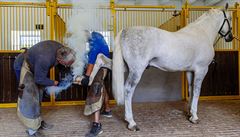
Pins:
x: 217, y: 118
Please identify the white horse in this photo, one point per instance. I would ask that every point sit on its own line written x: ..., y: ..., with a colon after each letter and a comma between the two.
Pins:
x: 189, y: 49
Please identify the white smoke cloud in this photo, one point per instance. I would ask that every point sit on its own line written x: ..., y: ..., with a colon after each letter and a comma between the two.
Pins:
x: 85, y: 17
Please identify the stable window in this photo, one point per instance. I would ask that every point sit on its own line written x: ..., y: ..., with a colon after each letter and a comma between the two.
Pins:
x: 24, y: 39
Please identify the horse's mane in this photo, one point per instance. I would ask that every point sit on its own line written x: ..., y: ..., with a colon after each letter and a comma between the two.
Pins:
x: 211, y: 12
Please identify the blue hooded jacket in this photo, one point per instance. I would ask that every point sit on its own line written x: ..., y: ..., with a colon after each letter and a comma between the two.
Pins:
x: 97, y: 45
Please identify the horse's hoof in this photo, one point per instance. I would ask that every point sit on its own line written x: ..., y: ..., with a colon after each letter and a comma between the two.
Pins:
x: 134, y: 128
x: 193, y: 121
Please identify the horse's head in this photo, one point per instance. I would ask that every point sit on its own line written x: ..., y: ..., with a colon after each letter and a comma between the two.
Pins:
x: 226, y: 27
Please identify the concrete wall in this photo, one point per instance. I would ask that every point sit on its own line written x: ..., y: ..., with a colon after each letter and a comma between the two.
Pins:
x: 157, y: 85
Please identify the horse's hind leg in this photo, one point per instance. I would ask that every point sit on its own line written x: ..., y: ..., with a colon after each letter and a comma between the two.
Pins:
x: 198, y: 78
x: 130, y: 85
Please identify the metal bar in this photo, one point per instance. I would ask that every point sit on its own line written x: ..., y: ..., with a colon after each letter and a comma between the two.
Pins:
x: 31, y: 20
x: 14, y: 29
x: 5, y: 28
x: 219, y: 97
x: 146, y: 6
x: 64, y: 5
x: 209, y: 7
x: 113, y: 13
x: 148, y: 10
x: 68, y: 103
x: 8, y: 105
x: 11, y: 51
x: 126, y: 6
x: 11, y: 23
x: 184, y: 15
x: 226, y: 50
x: 1, y: 30
x: 184, y: 92
x: 57, y: 103
x: 27, y: 25
x: 44, y: 21
x: 22, y: 3
x: 23, y: 29
x: 53, y: 12
x: 237, y: 5
x: 14, y: 105
x: 70, y: 6
x: 17, y: 28
x: 34, y: 16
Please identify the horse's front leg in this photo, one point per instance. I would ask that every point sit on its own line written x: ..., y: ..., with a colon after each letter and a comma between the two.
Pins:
x: 190, y: 90
x: 198, y: 78
x: 130, y: 85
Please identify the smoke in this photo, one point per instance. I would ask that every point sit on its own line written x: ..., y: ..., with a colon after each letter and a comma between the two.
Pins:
x: 85, y: 17
x: 63, y: 85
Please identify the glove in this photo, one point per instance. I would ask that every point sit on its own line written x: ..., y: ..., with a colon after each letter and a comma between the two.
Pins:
x: 85, y: 81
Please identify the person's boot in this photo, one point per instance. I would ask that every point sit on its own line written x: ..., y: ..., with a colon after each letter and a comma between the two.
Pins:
x: 95, y: 130
x: 45, y: 126
x: 32, y: 133
x: 106, y: 113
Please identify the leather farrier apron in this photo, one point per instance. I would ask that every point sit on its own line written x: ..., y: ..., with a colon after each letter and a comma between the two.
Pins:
x: 28, y: 109
x: 96, y: 94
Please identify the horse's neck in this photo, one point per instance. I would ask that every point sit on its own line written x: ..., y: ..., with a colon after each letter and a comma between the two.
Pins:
x: 209, y: 25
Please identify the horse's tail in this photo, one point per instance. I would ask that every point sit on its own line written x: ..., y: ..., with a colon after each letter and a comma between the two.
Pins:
x: 118, y: 71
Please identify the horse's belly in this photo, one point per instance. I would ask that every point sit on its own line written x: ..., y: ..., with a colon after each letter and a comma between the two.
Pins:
x: 167, y: 64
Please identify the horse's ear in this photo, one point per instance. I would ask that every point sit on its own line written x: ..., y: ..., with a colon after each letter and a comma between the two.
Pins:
x: 226, y: 6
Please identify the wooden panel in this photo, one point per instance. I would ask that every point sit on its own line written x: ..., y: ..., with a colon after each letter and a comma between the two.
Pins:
x: 222, y: 77
x: 8, y: 82
x: 8, y: 85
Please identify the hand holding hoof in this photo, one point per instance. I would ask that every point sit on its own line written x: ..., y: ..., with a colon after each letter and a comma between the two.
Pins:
x: 78, y: 80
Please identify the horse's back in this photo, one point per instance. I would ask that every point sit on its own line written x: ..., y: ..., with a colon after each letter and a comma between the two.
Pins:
x: 139, y: 42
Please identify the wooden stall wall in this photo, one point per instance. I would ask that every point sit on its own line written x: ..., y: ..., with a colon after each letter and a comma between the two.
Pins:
x: 222, y: 76
x: 8, y: 81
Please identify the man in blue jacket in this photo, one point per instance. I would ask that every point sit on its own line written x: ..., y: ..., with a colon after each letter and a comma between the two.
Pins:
x: 32, y: 69
x: 97, y: 45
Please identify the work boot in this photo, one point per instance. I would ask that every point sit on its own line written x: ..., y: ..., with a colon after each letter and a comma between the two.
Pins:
x: 106, y: 113
x: 95, y: 130
x: 36, y: 134
x: 46, y: 126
